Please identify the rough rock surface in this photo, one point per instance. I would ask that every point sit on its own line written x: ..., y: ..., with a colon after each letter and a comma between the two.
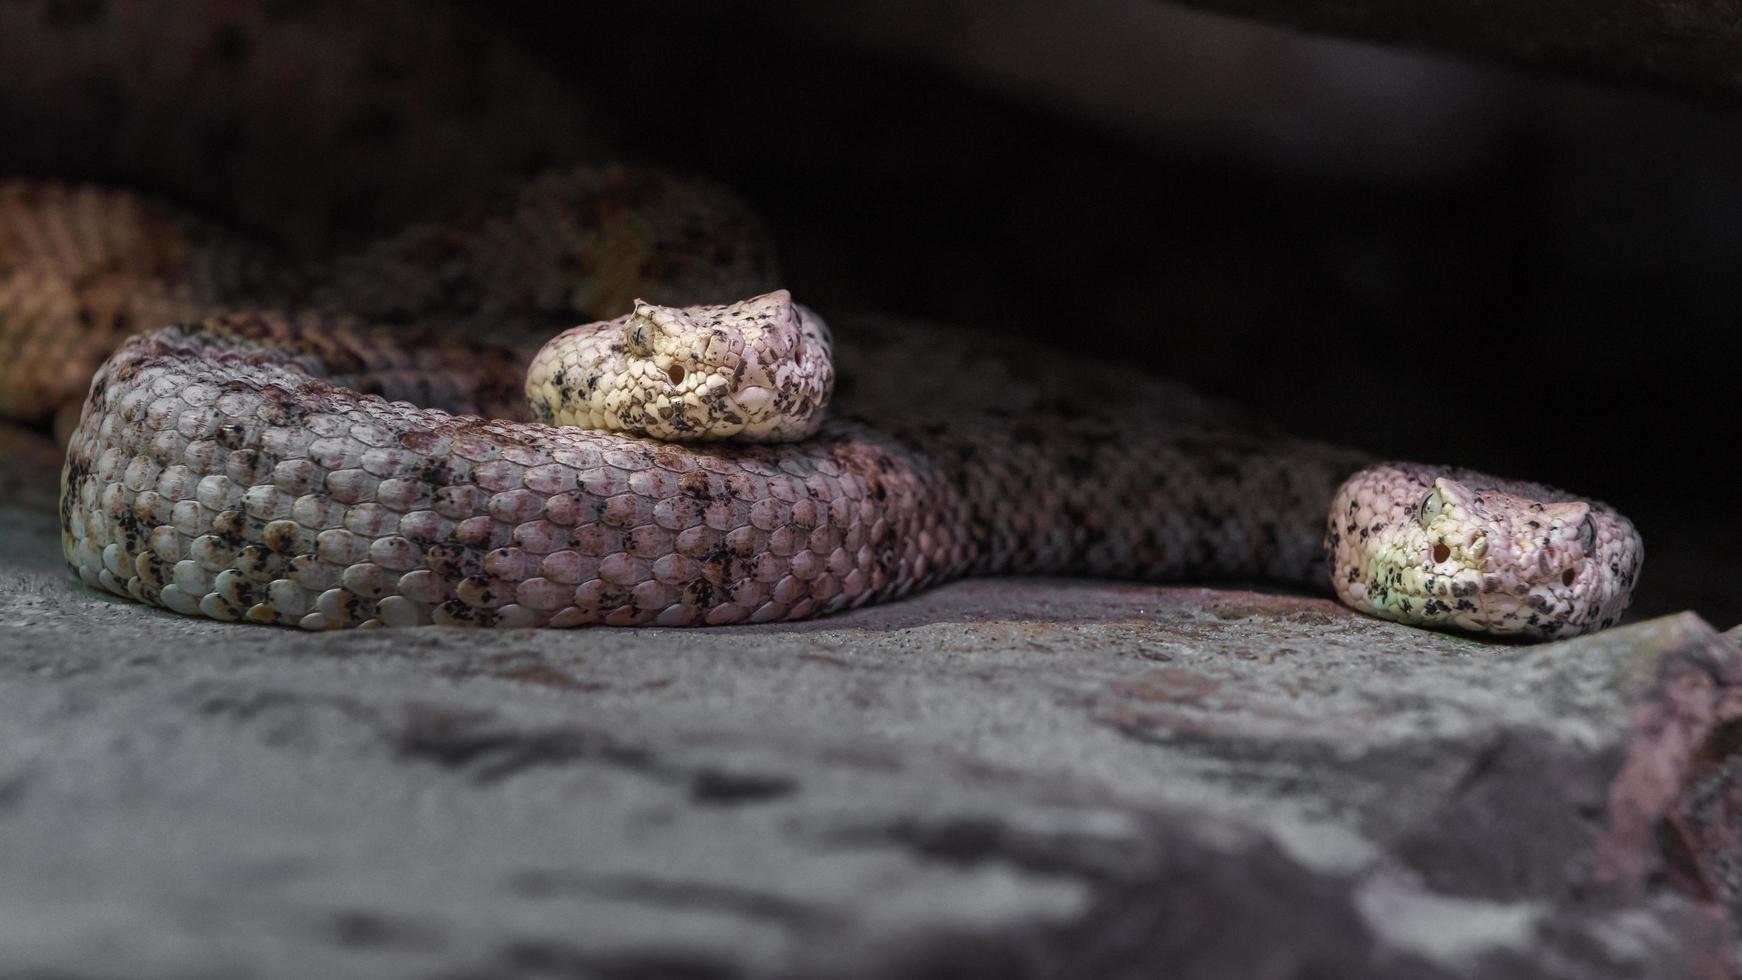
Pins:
x: 1688, y: 45
x: 1021, y: 778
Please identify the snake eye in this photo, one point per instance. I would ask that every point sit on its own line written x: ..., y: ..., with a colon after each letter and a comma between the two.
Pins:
x: 1429, y: 509
x: 675, y: 373
x: 1587, y: 537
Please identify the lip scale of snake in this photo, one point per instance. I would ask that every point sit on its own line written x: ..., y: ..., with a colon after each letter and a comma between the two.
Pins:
x: 683, y: 465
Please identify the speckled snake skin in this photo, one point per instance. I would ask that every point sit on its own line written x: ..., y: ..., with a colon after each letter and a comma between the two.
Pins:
x: 360, y: 465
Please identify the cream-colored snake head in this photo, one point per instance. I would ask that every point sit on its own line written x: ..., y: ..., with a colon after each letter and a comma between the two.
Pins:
x: 759, y: 370
x: 1453, y: 548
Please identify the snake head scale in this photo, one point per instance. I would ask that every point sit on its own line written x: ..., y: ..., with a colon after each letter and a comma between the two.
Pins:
x: 759, y: 370
x: 1455, y: 549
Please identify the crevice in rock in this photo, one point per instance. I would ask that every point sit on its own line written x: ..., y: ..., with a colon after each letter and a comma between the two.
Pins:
x: 560, y: 961
x: 710, y: 896
x: 969, y: 841
x: 365, y: 928
x: 718, y: 787
x: 477, y: 744
x: 1524, y: 811
x: 13, y: 788
x: 1175, y: 906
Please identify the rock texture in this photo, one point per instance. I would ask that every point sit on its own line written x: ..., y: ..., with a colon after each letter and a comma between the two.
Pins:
x: 1689, y: 45
x: 1017, y: 778
x: 997, y: 778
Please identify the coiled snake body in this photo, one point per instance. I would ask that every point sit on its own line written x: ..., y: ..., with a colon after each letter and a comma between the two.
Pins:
x: 358, y: 464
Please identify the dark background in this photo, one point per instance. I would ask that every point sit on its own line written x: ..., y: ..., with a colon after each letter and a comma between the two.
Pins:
x: 1563, y: 306
x: 1428, y: 259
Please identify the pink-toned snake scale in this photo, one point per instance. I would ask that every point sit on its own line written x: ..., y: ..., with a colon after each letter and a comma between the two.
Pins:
x: 355, y: 462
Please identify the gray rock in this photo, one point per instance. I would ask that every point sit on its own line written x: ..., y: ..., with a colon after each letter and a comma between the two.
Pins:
x: 999, y: 777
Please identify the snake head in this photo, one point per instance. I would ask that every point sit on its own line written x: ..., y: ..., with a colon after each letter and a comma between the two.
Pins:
x: 757, y: 370
x: 1456, y: 549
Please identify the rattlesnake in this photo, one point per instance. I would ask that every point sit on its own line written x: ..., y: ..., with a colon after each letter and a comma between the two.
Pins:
x: 253, y: 465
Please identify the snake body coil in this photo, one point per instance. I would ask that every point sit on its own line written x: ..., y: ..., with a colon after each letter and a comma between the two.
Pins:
x: 324, y: 470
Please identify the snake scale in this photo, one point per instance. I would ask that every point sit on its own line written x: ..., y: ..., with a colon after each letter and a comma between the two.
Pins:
x: 323, y: 446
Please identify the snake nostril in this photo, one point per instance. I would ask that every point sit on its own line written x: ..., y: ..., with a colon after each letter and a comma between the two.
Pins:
x: 1441, y: 552
x: 1569, y: 576
x: 675, y: 373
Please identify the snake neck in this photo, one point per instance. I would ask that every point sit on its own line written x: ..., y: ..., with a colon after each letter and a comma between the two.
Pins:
x: 1065, y: 495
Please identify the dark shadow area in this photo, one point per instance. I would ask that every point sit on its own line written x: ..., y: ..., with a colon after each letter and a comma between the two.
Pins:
x: 1560, y: 306
x: 1562, y: 311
